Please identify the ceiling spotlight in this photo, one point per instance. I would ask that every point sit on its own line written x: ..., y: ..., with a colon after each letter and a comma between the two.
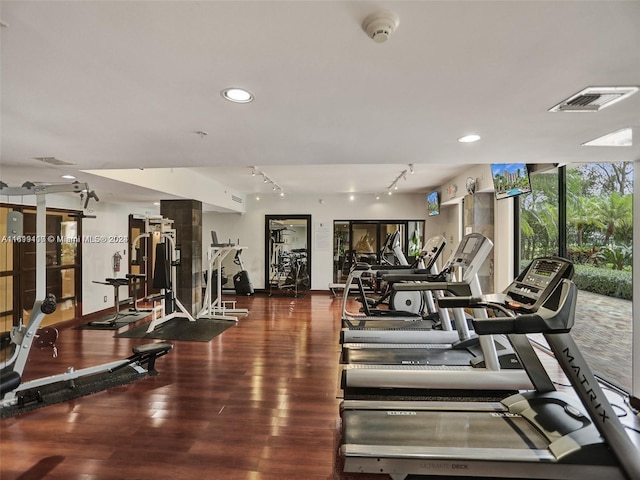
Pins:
x: 237, y: 95
x: 390, y: 192
x: 411, y: 171
x: 282, y: 194
x: 253, y: 171
x: 469, y: 138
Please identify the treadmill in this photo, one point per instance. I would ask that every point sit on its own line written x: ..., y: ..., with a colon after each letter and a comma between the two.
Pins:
x: 359, y: 269
x: 469, y: 257
x: 415, y: 301
x: 464, y: 352
x: 541, y: 434
x: 492, y: 367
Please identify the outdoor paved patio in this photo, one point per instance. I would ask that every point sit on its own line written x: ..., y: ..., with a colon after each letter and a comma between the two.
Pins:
x: 603, y: 331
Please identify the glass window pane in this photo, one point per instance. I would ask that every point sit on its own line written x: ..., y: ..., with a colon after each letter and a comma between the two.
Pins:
x: 599, y: 242
x: 6, y: 247
x: 6, y: 295
x: 341, y: 264
x: 539, y: 218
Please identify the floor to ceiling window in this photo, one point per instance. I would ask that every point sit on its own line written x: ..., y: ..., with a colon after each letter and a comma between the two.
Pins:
x: 597, y: 237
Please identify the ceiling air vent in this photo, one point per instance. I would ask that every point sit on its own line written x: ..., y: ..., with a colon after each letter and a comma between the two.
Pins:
x: 53, y: 161
x: 236, y: 198
x: 593, y: 99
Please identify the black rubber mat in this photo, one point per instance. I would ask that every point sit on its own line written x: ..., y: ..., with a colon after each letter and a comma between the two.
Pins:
x: 64, y: 391
x: 180, y: 328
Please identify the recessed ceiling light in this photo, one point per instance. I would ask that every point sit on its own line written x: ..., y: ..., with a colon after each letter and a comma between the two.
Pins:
x: 68, y: 177
x: 237, y: 95
x: 619, y: 138
x: 469, y: 138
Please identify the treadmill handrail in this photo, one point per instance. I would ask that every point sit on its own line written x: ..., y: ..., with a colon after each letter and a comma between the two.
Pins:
x: 456, y: 288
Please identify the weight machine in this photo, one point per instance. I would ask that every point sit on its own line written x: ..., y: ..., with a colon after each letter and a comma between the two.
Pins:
x: 289, y: 272
x: 24, y: 337
x: 164, y: 275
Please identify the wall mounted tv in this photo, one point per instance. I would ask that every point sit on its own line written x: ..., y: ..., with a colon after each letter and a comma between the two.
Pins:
x: 510, y: 179
x: 433, y: 203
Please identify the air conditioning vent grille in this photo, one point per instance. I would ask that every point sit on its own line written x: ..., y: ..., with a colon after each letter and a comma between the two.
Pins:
x: 593, y: 99
x: 236, y: 199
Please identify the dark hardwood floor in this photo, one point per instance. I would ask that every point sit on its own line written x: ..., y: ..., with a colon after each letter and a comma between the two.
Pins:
x: 258, y: 402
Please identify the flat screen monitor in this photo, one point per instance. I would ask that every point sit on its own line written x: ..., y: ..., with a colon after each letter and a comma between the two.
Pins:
x: 510, y: 179
x: 433, y: 203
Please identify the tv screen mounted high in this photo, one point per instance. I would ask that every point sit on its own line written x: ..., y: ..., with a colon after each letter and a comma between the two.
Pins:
x: 510, y: 179
x: 433, y: 204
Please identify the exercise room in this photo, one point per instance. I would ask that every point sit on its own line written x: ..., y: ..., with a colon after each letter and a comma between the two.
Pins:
x: 343, y: 240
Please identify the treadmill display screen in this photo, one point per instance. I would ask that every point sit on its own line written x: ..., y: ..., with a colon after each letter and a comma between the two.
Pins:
x: 469, y: 245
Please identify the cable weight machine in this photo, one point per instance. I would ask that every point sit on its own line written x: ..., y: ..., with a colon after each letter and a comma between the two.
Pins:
x: 24, y: 337
x: 166, y: 262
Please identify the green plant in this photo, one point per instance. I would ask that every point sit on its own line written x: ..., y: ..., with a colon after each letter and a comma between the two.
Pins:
x: 618, y: 256
x: 613, y: 283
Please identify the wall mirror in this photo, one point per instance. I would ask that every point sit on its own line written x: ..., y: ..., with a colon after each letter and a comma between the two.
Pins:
x: 287, y: 254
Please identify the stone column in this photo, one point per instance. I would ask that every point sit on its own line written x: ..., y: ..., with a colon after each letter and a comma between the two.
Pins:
x: 187, y: 221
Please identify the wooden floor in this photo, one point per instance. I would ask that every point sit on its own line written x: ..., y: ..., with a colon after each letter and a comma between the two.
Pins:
x: 258, y: 402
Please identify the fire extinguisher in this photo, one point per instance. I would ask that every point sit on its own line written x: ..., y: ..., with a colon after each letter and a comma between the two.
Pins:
x: 116, y: 262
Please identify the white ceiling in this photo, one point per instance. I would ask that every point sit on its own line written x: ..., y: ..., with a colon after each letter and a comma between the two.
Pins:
x: 118, y: 84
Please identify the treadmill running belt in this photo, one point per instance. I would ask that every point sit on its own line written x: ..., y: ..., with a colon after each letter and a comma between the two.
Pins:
x: 407, y: 356
x: 443, y: 429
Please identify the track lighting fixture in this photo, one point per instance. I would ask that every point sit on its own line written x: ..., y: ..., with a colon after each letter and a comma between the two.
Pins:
x: 394, y: 184
x: 265, y: 179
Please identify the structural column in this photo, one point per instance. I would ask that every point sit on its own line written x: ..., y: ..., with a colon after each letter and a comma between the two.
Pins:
x: 187, y: 221
x: 479, y: 218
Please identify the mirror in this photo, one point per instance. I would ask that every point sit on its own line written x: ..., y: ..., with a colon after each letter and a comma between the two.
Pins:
x: 287, y: 254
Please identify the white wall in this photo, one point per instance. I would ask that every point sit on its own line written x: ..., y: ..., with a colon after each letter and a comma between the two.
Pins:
x: 111, y: 227
x: 248, y: 228
x: 447, y: 224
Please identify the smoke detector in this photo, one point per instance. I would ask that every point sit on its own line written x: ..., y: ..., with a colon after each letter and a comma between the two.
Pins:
x: 379, y: 26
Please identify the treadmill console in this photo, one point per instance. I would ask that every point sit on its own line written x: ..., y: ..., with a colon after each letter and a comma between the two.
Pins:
x: 470, y: 255
x: 431, y: 250
x: 536, y: 282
